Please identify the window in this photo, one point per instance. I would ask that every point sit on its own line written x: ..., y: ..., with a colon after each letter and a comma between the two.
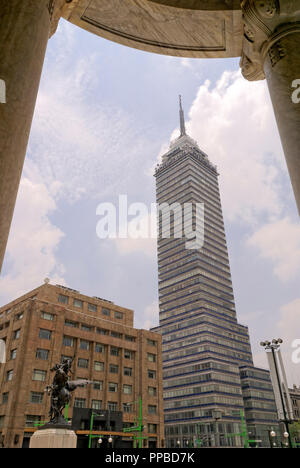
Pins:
x: 78, y: 303
x: 102, y: 331
x: 86, y: 327
x: 99, y: 348
x: 63, y: 356
x: 19, y: 316
x: 127, y: 408
x: 83, y: 363
x: 151, y: 342
x: 151, y: 357
x: 47, y: 316
x: 105, y: 312
x: 39, y: 375
x: 119, y: 315
x: 98, y: 385
x: 9, y: 375
x: 97, y: 404
x: 152, y: 428
x: 130, y: 338
x: 32, y: 420
x: 152, y: 409
x: 114, y: 351
x: 99, y: 366
x: 112, y: 406
x: 116, y: 334
x: 63, y: 299
x: 36, y: 397
x: 2, y: 421
x: 13, y: 354
x: 16, y: 334
x: 70, y: 323
x: 68, y: 341
x: 44, y: 334
x: 127, y: 389
x: 128, y: 354
x: 85, y: 345
x: 113, y: 368
x: 128, y: 371
x: 79, y: 403
x: 152, y: 391
x: 42, y: 354
x: 112, y: 387
x: 5, y: 397
x: 92, y: 307
x: 151, y: 374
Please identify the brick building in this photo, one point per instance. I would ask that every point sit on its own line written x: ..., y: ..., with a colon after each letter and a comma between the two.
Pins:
x: 124, y: 363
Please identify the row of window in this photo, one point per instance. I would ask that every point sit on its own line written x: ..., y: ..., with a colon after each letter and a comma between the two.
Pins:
x: 38, y: 397
x: 40, y: 375
x: 101, y: 331
x: 63, y: 299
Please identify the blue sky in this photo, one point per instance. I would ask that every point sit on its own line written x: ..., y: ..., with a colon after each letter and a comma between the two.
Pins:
x: 104, y: 116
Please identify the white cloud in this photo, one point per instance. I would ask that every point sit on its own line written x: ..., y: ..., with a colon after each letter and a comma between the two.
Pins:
x: 279, y: 242
x: 149, y: 318
x: 31, y: 249
x: 234, y: 124
x: 285, y: 325
x: 146, y: 242
x: 89, y: 148
x: 289, y: 330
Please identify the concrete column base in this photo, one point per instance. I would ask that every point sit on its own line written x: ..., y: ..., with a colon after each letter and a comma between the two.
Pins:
x: 53, y: 438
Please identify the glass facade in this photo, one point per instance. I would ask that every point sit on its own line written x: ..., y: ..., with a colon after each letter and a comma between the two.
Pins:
x: 204, y: 346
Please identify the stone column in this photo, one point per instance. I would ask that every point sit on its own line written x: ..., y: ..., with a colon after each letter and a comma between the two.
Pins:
x: 271, y: 50
x: 25, y: 26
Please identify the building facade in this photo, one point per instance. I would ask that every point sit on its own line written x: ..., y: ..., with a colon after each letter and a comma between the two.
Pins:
x: 260, y: 406
x: 123, y: 363
x: 204, y: 346
x: 295, y: 398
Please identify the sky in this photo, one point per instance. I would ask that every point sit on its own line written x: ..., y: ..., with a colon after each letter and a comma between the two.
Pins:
x: 105, y: 114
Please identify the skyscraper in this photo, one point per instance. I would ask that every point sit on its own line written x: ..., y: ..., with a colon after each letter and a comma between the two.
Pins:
x: 204, y: 346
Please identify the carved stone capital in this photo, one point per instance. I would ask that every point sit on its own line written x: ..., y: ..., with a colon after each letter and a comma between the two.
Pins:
x: 266, y: 22
x: 56, y: 10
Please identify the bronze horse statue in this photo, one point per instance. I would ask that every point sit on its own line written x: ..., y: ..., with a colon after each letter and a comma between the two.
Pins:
x: 61, y: 390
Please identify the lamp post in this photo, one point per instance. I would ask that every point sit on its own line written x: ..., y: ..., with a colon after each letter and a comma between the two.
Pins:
x: 273, y: 347
x: 272, y: 435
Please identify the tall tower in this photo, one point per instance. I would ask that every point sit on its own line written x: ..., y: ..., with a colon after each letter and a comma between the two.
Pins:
x: 204, y: 346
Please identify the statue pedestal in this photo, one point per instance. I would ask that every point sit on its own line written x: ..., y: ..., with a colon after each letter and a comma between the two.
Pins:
x: 53, y: 438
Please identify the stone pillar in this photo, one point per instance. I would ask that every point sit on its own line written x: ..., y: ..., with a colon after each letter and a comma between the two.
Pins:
x: 271, y: 50
x: 53, y: 438
x: 25, y: 26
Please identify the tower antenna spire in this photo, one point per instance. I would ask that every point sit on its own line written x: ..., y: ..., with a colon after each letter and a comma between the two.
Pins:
x: 181, y: 114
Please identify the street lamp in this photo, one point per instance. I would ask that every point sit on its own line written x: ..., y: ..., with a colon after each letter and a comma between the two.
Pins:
x: 272, y: 435
x: 286, y: 436
x: 274, y: 346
